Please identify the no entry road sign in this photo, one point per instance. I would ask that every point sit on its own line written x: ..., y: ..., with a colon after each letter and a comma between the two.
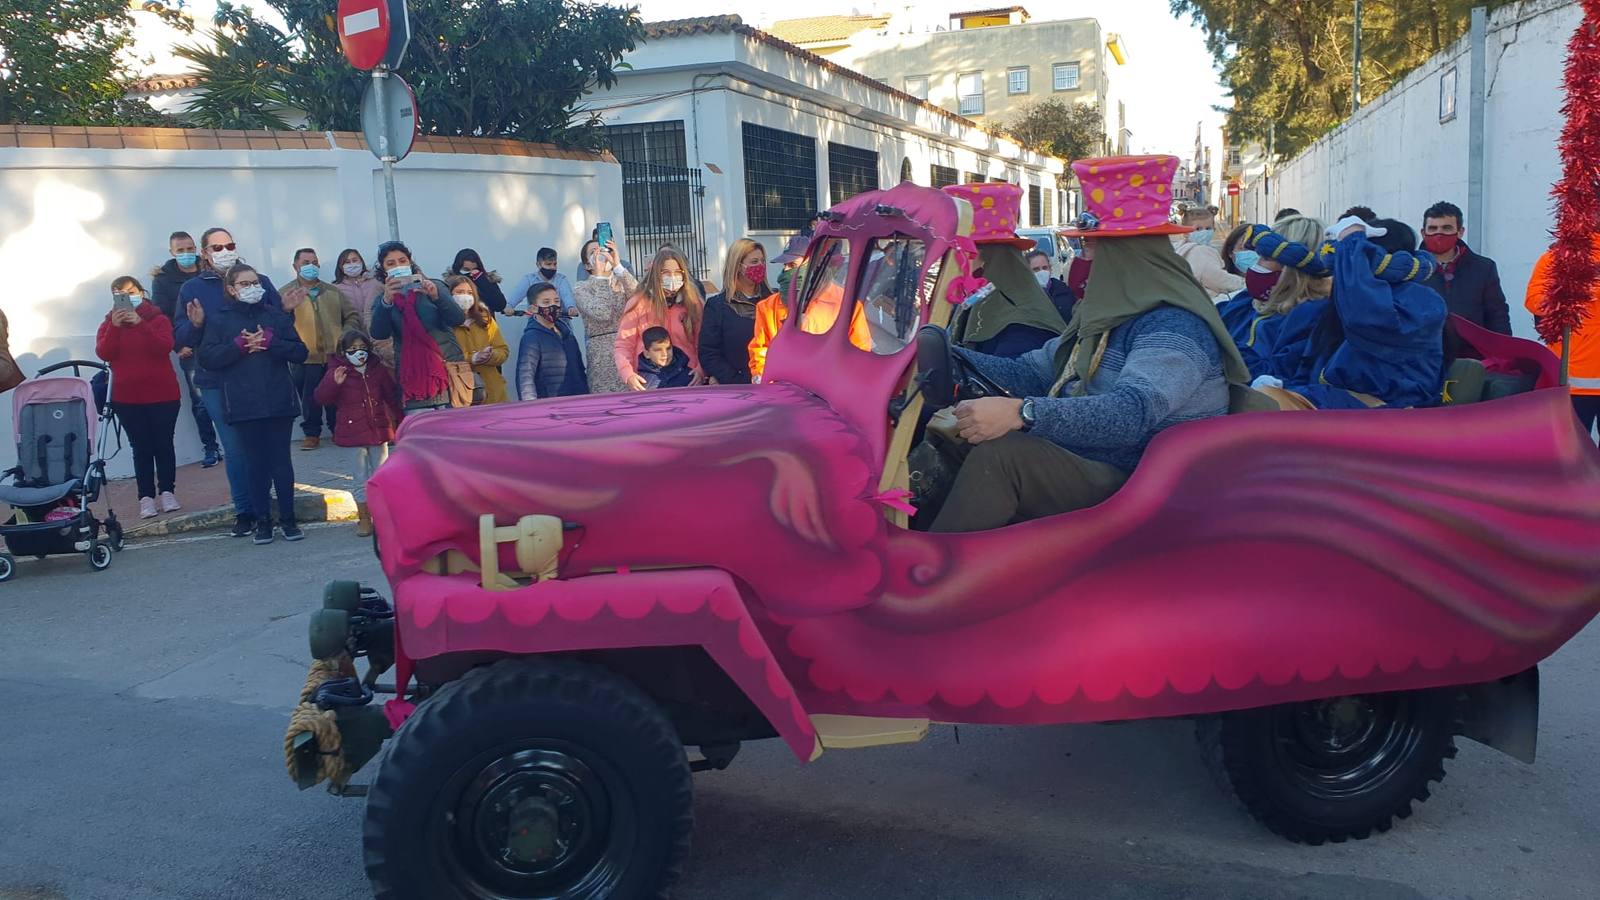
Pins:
x: 373, y: 32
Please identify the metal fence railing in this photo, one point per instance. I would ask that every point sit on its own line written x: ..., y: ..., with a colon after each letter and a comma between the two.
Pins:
x: 664, y: 205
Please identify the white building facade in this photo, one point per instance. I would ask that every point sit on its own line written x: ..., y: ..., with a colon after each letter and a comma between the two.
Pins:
x: 724, y: 131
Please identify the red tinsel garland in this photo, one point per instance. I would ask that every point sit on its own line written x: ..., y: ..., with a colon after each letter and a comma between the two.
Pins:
x: 1574, y: 268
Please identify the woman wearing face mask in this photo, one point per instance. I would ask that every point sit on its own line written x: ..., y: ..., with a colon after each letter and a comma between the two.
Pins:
x: 357, y: 282
x: 250, y: 346
x: 1257, y: 316
x: 469, y: 264
x: 549, y: 363
x: 479, y: 338
x: 730, y: 320
x: 1203, y: 259
x: 359, y: 387
x: 669, y: 299
x: 418, y: 314
x: 136, y: 342
x: 601, y: 298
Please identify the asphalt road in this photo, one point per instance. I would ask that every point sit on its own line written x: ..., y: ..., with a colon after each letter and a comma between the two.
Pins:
x: 141, y: 757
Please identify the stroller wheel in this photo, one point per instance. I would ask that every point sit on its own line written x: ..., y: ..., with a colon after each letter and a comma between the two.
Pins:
x: 8, y: 566
x: 114, y: 534
x: 99, y: 556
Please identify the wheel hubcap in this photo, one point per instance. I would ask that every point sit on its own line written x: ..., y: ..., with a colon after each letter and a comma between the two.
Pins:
x: 532, y: 823
x: 1346, y: 746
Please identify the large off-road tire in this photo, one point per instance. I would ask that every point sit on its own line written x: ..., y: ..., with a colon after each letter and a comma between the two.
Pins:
x: 1332, y: 770
x: 531, y: 779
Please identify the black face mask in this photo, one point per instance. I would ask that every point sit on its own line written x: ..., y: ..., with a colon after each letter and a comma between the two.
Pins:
x: 547, y: 313
x: 548, y: 273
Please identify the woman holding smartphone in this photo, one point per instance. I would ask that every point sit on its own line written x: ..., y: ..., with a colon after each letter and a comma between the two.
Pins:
x: 601, y: 299
x: 136, y: 341
x: 419, y: 315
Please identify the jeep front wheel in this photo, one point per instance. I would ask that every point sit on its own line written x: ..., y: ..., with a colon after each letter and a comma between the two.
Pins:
x: 539, y: 779
x: 1334, y: 769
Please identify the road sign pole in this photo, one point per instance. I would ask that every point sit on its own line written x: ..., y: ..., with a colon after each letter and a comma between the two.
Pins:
x: 380, y: 73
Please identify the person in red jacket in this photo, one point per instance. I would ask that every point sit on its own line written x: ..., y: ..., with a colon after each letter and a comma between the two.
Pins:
x: 136, y: 340
x: 366, y: 398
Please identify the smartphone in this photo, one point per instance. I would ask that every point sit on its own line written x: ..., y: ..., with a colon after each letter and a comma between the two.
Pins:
x: 602, y: 233
x: 120, y: 301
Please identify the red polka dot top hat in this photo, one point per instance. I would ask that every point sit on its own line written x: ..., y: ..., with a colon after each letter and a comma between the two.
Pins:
x: 996, y: 212
x: 1126, y: 196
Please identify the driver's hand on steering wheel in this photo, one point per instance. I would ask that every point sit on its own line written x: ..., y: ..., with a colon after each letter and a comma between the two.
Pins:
x: 988, y: 418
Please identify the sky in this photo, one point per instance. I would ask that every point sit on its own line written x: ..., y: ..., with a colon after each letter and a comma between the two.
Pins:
x: 1169, y: 83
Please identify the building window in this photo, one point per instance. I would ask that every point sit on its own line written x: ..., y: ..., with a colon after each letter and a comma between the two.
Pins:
x: 1045, y: 198
x: 917, y: 86
x: 1035, y: 205
x: 975, y: 178
x: 851, y: 171
x: 655, y: 143
x: 1447, y: 95
x: 944, y: 176
x: 1233, y: 156
x: 780, y: 178
x: 1017, y: 80
x: 969, y: 88
x: 1065, y: 76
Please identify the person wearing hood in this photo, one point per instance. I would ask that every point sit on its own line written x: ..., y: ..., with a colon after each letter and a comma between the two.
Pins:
x: 1378, y: 341
x: 1469, y: 282
x: 200, y: 298
x: 364, y: 396
x: 730, y: 320
x: 322, y: 313
x: 468, y: 264
x: 1061, y: 296
x: 1282, y: 270
x: 1203, y: 259
x: 168, y: 280
x: 249, y: 346
x: 1145, y: 351
x: 1010, y: 315
x: 418, y: 314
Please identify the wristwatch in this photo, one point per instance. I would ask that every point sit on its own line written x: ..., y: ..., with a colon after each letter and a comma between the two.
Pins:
x: 1028, y: 420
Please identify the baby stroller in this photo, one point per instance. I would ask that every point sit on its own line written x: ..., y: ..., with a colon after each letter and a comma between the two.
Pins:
x: 60, y: 469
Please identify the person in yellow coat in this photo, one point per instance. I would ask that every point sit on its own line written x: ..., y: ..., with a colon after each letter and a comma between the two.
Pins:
x: 480, y: 340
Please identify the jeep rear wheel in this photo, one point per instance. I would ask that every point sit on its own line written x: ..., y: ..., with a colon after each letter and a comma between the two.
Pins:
x: 1334, y: 769
x: 540, y: 779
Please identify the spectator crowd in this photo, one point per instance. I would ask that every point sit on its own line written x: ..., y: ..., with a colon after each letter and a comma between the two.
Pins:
x: 351, y: 350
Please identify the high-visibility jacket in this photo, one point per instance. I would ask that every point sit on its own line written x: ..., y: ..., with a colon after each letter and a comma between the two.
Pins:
x: 821, y: 313
x: 1583, y: 367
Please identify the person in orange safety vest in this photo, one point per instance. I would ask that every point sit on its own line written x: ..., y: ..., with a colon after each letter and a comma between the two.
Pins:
x: 1583, y: 365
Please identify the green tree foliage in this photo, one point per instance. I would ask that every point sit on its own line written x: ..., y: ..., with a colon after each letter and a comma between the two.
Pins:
x: 243, y: 75
x: 63, y: 62
x: 1288, y: 64
x: 493, y: 68
x: 1065, y: 130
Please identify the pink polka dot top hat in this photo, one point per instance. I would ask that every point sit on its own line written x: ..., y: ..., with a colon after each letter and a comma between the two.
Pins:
x: 1126, y: 196
x: 996, y: 211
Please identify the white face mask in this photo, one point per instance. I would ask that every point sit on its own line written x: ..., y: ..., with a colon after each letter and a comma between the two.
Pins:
x: 399, y: 272
x: 252, y: 293
x: 223, y: 260
x: 351, y: 270
x: 463, y: 300
x: 358, y: 358
x: 672, y: 283
x: 1042, y: 276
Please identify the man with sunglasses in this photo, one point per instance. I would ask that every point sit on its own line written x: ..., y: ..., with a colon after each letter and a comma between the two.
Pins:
x: 200, y: 299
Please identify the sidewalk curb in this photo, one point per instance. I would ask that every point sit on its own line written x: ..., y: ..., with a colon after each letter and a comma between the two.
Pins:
x: 311, y: 504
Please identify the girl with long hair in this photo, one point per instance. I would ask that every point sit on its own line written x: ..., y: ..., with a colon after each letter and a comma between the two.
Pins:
x: 667, y: 298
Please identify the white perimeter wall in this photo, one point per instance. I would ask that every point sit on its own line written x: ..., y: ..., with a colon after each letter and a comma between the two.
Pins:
x: 1398, y: 158
x: 76, y: 219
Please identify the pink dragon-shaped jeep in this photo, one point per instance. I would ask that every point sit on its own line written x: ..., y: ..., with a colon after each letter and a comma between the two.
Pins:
x: 583, y: 588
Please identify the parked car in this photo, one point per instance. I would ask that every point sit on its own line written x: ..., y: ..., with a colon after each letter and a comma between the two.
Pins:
x: 1332, y: 596
x: 1047, y: 240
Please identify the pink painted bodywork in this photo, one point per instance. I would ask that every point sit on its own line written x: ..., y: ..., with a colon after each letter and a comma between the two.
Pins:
x: 1250, y: 560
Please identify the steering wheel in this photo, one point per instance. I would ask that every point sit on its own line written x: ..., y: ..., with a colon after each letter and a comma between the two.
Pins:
x: 946, y: 377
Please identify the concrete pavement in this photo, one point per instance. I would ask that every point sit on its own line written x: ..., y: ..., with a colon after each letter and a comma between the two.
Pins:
x: 142, y: 759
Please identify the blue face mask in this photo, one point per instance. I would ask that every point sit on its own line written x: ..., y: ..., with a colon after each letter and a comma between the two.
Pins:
x: 1201, y: 236
x: 398, y: 272
x: 1245, y: 259
x: 187, y: 260
x: 309, y: 272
